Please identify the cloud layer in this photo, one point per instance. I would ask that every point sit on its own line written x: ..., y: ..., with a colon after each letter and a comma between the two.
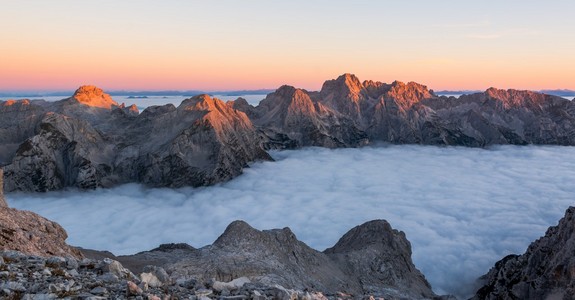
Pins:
x: 462, y: 209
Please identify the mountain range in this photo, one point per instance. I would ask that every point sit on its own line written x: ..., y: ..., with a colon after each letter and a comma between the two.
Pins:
x: 89, y: 140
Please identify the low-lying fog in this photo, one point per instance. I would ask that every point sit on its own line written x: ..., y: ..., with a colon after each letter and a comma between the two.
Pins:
x: 462, y: 209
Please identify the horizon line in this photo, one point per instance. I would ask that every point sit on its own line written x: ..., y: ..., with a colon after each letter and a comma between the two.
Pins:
x: 193, y: 92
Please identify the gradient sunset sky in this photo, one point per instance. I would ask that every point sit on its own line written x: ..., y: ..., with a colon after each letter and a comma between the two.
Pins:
x: 253, y: 44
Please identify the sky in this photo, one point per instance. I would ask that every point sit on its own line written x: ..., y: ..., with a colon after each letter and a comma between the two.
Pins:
x: 462, y: 209
x: 233, y: 44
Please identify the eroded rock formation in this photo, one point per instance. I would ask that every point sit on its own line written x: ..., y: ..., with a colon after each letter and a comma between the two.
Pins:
x: 378, y: 257
x: 90, y: 141
x: 371, y: 259
x: 32, y: 234
x: 545, y: 271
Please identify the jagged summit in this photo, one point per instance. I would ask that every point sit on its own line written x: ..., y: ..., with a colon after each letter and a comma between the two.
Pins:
x: 236, y: 229
x: 409, y: 93
x: 93, y: 96
x: 370, y: 233
x: 161, y: 145
x: 378, y: 254
x: 277, y: 257
x: 545, y: 271
x: 347, y: 83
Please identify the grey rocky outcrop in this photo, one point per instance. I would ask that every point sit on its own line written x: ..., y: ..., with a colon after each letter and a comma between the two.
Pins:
x: 545, y: 271
x: 32, y: 234
x: 371, y: 259
x: 379, y: 258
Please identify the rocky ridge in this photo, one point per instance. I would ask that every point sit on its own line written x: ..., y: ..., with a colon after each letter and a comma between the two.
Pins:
x: 347, y: 112
x: 243, y: 263
x: 89, y: 140
x: 545, y: 271
x: 275, y: 257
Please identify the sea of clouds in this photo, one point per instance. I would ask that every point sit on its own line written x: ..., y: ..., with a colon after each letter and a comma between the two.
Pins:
x: 462, y: 208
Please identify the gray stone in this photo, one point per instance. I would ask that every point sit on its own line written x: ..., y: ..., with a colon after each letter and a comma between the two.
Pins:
x: 158, y: 272
x: 230, y: 286
x: 109, y: 278
x: 56, y: 262
x: 544, y: 271
x: 13, y: 286
x: 99, y: 291
x: 39, y: 297
x: 71, y: 263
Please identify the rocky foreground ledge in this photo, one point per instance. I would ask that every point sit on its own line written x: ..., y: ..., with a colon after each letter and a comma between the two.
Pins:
x: 372, y: 260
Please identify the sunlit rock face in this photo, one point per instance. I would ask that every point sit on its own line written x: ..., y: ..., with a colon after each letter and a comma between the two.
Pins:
x: 545, y: 271
x: 350, y: 113
x: 93, y: 96
x: 290, y: 118
x: 201, y: 142
x: 90, y: 141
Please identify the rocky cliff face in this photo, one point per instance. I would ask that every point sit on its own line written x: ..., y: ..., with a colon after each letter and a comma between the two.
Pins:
x: 379, y: 257
x: 31, y: 234
x: 289, y: 118
x: 90, y: 141
x: 349, y: 113
x: 545, y: 271
x: 2, y: 200
x: 371, y: 259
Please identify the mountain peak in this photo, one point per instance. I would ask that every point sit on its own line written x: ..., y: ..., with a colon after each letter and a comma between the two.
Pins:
x: 200, y: 102
x: 370, y: 233
x: 408, y: 93
x: 237, y: 232
x: 93, y: 96
x: 347, y: 82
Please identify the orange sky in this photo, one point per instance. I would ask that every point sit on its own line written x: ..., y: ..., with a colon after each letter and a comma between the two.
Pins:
x: 148, y: 45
